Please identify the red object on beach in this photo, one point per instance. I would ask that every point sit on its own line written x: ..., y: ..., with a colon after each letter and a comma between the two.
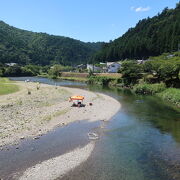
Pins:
x: 76, y: 98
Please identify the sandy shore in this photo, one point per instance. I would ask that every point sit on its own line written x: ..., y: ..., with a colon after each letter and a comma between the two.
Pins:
x: 23, y: 115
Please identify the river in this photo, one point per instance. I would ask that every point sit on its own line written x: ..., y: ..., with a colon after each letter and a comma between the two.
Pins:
x: 141, y: 142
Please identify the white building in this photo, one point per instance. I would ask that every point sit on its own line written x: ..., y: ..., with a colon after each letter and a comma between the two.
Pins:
x: 11, y: 64
x: 91, y: 67
x: 113, y: 67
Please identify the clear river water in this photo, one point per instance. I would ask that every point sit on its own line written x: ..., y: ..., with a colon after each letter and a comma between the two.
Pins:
x: 141, y: 142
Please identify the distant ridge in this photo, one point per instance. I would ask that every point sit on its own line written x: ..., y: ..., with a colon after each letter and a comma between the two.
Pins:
x: 26, y: 47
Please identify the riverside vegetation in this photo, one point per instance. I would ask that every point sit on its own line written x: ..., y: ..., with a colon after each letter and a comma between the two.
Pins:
x: 158, y: 76
x: 153, y: 77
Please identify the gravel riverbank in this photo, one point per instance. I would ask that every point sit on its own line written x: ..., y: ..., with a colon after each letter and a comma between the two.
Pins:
x: 37, y: 109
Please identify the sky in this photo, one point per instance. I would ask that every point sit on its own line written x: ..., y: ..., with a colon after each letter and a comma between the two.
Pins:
x: 85, y: 20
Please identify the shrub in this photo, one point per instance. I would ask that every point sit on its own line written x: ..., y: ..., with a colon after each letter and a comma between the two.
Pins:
x: 55, y: 71
x: 164, y: 70
x: 90, y: 73
x: 101, y: 80
x: 172, y: 95
x: 149, y: 88
x: 131, y: 72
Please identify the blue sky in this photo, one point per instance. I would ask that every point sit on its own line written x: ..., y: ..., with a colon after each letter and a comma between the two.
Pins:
x: 86, y: 20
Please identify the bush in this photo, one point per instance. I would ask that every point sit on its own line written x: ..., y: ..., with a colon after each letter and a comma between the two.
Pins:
x: 172, y: 95
x: 13, y: 71
x: 149, y: 88
x: 90, y: 73
x: 164, y: 70
x: 101, y: 80
x: 55, y: 71
x: 149, y: 78
x: 131, y: 72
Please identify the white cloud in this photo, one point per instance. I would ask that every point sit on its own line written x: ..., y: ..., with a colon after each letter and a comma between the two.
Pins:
x: 140, y: 9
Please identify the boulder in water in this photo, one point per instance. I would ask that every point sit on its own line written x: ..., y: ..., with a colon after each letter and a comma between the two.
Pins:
x: 93, y: 136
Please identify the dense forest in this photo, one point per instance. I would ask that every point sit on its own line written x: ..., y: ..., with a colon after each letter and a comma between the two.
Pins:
x: 25, y: 47
x: 150, y: 37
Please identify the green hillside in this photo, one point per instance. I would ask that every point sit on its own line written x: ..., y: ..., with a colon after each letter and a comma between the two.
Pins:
x: 25, y: 47
x: 150, y: 37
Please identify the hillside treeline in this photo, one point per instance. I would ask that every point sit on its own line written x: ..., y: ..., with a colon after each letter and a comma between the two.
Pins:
x: 150, y: 37
x: 25, y: 47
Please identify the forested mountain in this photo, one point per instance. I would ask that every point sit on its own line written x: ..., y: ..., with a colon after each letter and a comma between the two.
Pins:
x: 25, y: 47
x: 150, y: 37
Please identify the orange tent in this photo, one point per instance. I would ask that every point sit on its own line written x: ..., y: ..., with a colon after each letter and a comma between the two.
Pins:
x: 76, y: 98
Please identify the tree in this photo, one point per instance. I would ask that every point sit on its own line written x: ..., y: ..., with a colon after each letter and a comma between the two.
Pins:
x: 131, y: 72
x: 13, y: 71
x: 169, y: 70
x: 165, y: 70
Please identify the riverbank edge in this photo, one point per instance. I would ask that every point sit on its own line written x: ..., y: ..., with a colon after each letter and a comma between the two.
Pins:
x: 77, y: 79
x: 158, y: 89
x: 116, y: 82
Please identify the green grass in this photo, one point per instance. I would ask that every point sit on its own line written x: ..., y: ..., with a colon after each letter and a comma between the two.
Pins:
x: 4, y: 80
x: 7, y: 87
x: 149, y: 88
x: 172, y: 95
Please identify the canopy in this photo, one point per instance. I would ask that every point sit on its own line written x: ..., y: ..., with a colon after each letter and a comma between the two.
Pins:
x: 76, y: 98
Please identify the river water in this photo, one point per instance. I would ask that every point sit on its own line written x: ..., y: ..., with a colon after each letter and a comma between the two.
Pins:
x: 141, y: 142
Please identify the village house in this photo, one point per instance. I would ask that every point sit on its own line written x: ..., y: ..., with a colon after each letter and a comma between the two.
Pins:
x: 11, y: 64
x: 80, y: 67
x: 113, y: 67
x: 93, y: 68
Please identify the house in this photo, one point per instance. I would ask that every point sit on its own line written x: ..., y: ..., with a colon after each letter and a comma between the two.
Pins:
x: 113, y: 67
x: 11, y: 64
x: 140, y: 61
x: 103, y: 64
x: 81, y: 66
x: 93, y: 68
